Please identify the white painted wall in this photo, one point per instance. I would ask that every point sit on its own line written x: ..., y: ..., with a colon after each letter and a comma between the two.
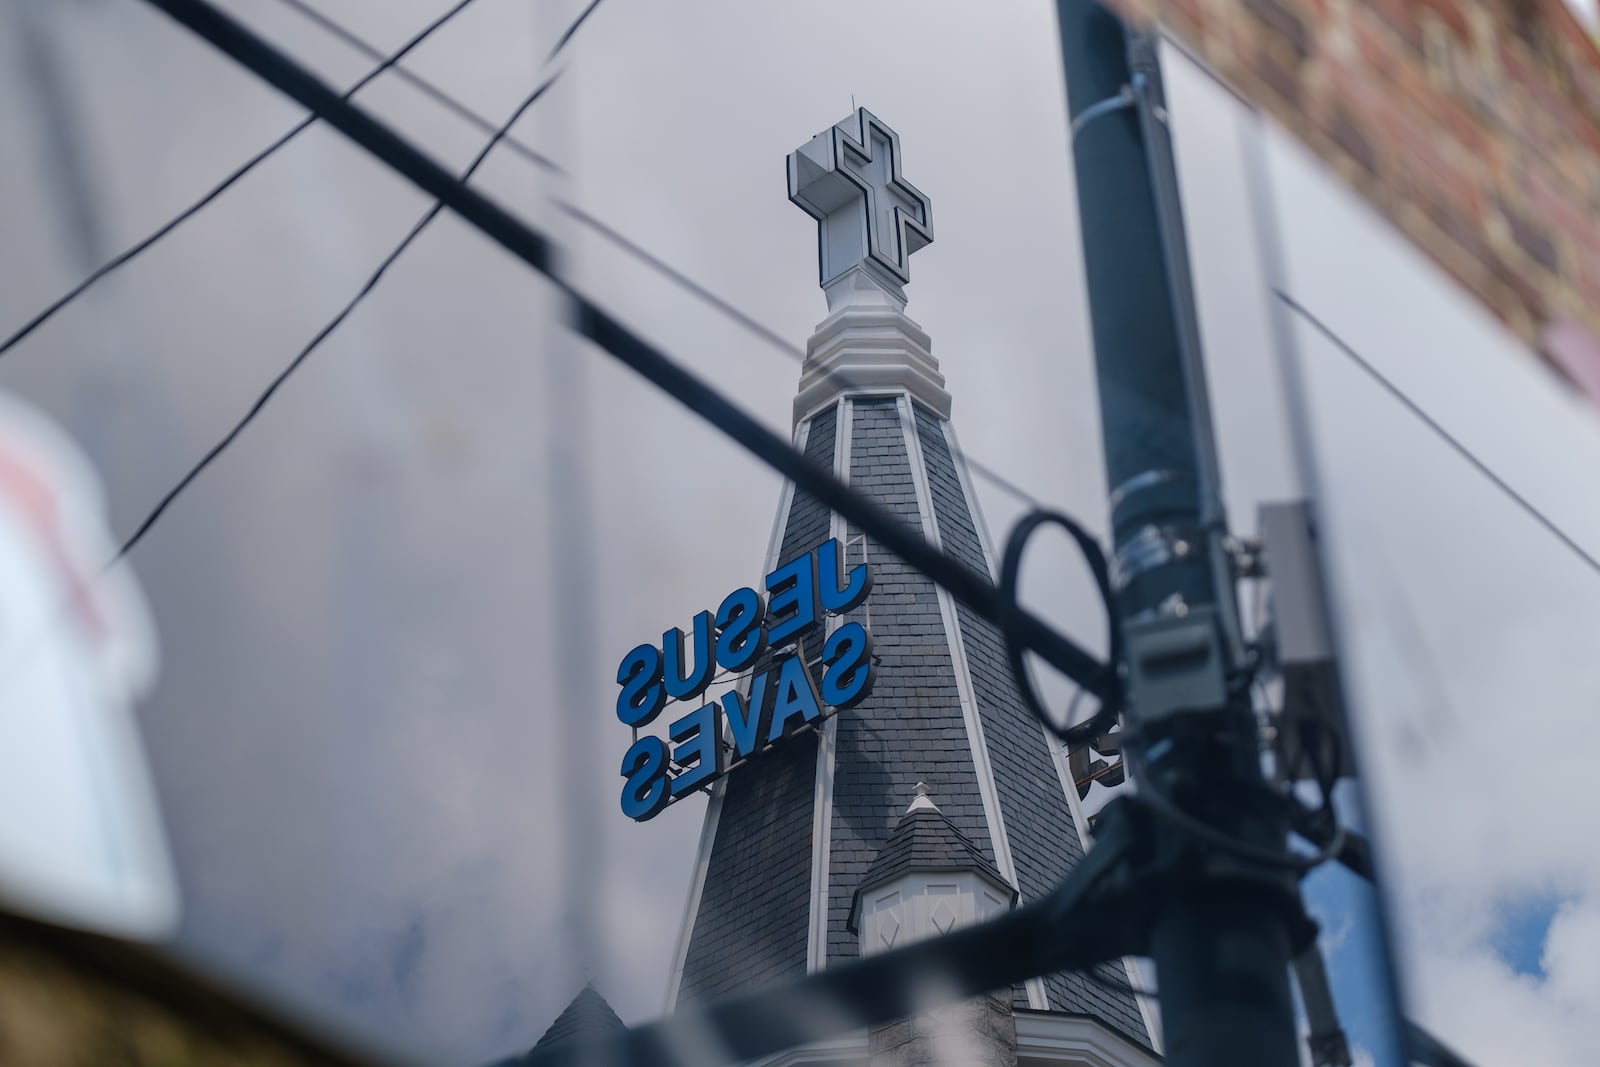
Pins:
x: 1468, y: 629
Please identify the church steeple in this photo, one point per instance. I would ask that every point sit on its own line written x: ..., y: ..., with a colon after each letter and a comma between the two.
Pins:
x: 792, y: 836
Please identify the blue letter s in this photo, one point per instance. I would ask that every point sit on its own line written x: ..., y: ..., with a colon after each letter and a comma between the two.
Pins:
x: 644, y: 766
x: 640, y: 677
x: 847, y: 666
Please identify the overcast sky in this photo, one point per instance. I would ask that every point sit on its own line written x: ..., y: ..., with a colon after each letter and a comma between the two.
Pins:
x: 374, y: 743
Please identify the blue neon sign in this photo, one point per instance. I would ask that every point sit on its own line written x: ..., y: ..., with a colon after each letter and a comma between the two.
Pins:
x: 781, y: 700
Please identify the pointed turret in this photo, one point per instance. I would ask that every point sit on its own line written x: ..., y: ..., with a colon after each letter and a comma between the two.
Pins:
x: 928, y: 878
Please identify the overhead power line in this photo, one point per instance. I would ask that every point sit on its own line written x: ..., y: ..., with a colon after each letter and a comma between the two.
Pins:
x: 968, y: 585
x: 521, y: 148
x: 324, y: 333
x: 774, y: 339
x: 1443, y: 434
x: 227, y: 183
x: 431, y: 89
x: 561, y: 42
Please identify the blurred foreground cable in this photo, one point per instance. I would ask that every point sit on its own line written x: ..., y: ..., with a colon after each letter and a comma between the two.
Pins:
x: 974, y: 589
x: 1072, y: 928
x: 195, y: 208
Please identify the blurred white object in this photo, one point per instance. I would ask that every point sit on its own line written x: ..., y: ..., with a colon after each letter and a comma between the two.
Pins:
x: 80, y: 834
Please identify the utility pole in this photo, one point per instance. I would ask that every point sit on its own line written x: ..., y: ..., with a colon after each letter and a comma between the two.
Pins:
x: 1221, y: 935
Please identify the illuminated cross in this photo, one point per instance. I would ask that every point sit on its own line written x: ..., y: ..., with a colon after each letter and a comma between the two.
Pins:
x: 848, y: 179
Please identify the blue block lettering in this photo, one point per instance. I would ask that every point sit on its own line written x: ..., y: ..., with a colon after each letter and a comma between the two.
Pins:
x: 792, y: 604
x: 680, y: 687
x: 696, y: 751
x: 741, y: 638
x: 639, y: 675
x: 644, y: 766
x: 838, y: 599
x: 744, y: 717
x: 796, y: 698
x: 847, y: 666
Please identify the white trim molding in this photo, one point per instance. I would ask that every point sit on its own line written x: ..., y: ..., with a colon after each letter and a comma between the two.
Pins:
x: 869, y: 344
x: 964, y: 476
x: 854, y: 391
x: 702, y: 861
x: 1051, y: 1040
x: 847, y: 1051
x: 981, y: 766
x: 827, y: 737
x: 1058, y: 755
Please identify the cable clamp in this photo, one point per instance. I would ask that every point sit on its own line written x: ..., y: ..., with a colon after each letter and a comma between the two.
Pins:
x: 1123, y: 99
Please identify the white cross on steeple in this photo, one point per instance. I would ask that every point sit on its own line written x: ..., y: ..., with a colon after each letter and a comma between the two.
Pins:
x: 848, y: 179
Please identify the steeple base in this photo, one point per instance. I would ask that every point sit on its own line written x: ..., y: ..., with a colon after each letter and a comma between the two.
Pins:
x: 868, y: 345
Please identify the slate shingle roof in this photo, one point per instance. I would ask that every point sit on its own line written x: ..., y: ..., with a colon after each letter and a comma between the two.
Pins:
x: 752, y: 922
x: 587, y: 1016
x: 912, y: 728
x: 1033, y: 806
x: 755, y: 909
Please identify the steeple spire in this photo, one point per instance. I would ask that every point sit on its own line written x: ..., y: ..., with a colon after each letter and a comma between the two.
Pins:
x: 811, y: 854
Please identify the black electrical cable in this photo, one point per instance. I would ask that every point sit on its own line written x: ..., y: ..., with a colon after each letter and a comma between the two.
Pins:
x: 1280, y: 859
x: 323, y: 334
x: 430, y: 89
x: 766, y: 333
x: 610, y: 233
x: 217, y: 190
x: 1111, y: 694
x: 1443, y: 434
x: 969, y: 586
x: 521, y: 148
x: 561, y: 42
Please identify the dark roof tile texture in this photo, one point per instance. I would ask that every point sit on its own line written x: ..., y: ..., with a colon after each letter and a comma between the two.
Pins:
x: 911, y: 729
x: 754, y: 918
x: 1033, y: 805
x: 752, y: 922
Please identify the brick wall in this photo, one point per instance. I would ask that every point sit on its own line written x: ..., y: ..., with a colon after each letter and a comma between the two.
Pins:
x: 1473, y: 125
